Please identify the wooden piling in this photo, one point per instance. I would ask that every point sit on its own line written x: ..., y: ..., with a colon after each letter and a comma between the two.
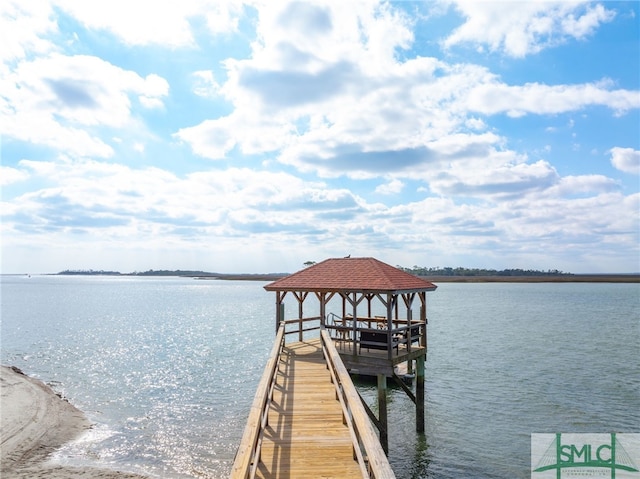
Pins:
x: 382, y: 412
x: 420, y: 394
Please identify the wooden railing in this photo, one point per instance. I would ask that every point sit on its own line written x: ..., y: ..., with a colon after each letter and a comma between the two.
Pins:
x: 367, y: 449
x: 247, y: 457
x: 301, y: 327
x: 402, y: 332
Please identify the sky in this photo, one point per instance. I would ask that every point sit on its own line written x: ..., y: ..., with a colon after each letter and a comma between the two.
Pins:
x: 230, y: 136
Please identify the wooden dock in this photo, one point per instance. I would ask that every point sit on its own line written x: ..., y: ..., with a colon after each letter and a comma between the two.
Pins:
x: 306, y: 436
x: 307, y: 419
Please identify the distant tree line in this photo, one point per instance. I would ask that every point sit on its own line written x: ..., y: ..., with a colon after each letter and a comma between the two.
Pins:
x: 416, y: 270
x: 459, y: 271
x: 90, y: 272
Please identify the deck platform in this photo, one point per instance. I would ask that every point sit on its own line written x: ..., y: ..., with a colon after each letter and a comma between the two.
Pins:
x: 306, y: 436
x: 373, y: 362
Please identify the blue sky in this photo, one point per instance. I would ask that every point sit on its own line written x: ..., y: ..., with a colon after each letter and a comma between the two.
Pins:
x: 255, y: 136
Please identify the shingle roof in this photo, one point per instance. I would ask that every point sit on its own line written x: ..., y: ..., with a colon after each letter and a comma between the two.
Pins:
x: 351, y: 274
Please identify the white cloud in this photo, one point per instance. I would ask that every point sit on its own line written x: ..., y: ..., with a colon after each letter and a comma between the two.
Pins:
x: 82, y: 203
x: 253, y: 134
x: 394, y: 187
x: 475, y: 124
x: 522, y: 28
x: 135, y: 22
x: 582, y: 26
x: 309, y: 93
x: 328, y: 89
x: 150, y: 102
x: 211, y: 138
x: 150, y: 22
x: 492, y: 98
x: 223, y: 16
x: 57, y: 100
x: 205, y: 84
x: 89, y: 199
x: 504, y: 179
x: 24, y: 27
x: 582, y: 185
x: 626, y: 159
x: 10, y: 175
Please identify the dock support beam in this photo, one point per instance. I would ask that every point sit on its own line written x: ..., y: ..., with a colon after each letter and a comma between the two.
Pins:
x: 382, y: 412
x: 420, y: 394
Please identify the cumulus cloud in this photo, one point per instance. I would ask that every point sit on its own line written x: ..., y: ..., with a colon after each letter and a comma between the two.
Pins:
x: 506, y: 180
x: 10, y: 175
x: 523, y: 28
x: 56, y: 100
x: 205, y: 84
x: 128, y: 206
x: 25, y: 27
x: 308, y: 92
x: 147, y: 22
x: 515, y: 100
x: 319, y: 90
x: 111, y: 199
x: 395, y: 186
x: 626, y: 159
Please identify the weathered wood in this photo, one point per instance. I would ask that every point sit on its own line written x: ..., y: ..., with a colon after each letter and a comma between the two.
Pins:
x: 249, y: 449
x: 382, y: 412
x: 306, y: 436
x: 327, y: 344
x: 378, y: 463
x: 370, y: 413
x: 420, y: 394
x: 404, y: 387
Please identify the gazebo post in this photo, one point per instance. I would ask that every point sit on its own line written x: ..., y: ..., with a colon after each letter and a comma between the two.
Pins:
x: 390, y: 298
x: 322, y: 297
x: 279, y: 308
x: 382, y: 412
x: 423, y: 318
x: 354, y: 303
x: 420, y: 394
x: 409, y: 318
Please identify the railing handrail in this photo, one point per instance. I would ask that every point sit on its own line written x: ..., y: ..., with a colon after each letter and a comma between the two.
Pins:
x: 248, y: 454
x: 364, y: 435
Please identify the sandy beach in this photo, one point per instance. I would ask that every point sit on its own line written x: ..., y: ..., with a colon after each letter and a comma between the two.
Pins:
x: 35, y: 421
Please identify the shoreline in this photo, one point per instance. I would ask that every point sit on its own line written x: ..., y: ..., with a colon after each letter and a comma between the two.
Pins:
x: 35, y: 421
x: 569, y: 278
x: 565, y: 278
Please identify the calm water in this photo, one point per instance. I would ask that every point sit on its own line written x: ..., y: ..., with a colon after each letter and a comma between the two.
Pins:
x: 167, y: 368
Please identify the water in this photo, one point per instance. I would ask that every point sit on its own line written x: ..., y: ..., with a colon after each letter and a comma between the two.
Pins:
x: 166, y: 368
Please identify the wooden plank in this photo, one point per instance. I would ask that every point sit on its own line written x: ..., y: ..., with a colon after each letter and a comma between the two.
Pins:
x: 378, y: 461
x: 306, y: 436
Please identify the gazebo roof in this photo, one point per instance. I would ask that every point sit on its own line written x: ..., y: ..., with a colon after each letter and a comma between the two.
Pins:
x: 350, y: 275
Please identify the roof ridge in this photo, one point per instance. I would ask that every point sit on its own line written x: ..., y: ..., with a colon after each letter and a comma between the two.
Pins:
x: 351, y: 274
x: 381, y: 267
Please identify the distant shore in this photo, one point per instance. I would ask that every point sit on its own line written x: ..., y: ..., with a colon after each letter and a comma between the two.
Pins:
x: 546, y: 278
x: 568, y: 278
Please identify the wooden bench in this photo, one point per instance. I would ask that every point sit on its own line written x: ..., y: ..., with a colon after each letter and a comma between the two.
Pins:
x: 376, y: 340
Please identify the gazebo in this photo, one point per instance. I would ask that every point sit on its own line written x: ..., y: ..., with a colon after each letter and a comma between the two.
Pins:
x: 368, y: 307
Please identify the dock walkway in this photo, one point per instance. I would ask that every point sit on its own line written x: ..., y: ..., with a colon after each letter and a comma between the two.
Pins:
x: 306, y: 436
